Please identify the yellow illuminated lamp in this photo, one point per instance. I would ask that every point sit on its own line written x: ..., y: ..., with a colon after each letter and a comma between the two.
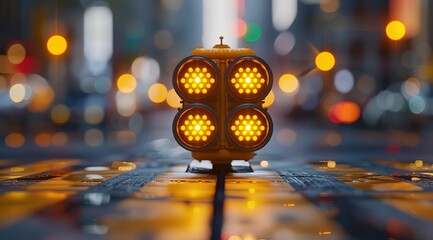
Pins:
x: 57, y: 45
x: 196, y: 127
x: 395, y: 30
x: 222, y: 92
x: 249, y: 126
x: 325, y: 61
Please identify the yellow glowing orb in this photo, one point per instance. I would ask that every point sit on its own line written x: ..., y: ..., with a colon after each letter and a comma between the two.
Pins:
x: 249, y: 127
x: 57, y: 45
x: 126, y: 83
x: 196, y: 78
x: 173, y: 100
x: 196, y: 127
x: 395, y: 30
x: 157, y: 93
x: 325, y: 61
x: 288, y: 83
x: 249, y: 78
x: 269, y: 100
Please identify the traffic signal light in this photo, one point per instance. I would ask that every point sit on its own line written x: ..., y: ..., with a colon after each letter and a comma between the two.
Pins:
x: 222, y: 92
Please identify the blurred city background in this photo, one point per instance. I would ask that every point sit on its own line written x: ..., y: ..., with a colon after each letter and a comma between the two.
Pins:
x: 96, y: 72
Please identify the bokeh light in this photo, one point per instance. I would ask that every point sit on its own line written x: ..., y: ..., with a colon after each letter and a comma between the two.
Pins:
x: 126, y: 104
x: 16, y: 53
x: 42, y: 93
x: 43, y: 139
x: 94, y: 137
x: 15, y: 140
x: 344, y: 112
x: 284, y: 43
x: 344, y: 81
x: 412, y: 86
x: 329, y: 6
x: 57, y: 45
x: 126, y: 83
x: 286, y: 136
x: 288, y: 83
x: 254, y: 32
x: 238, y: 27
x: 269, y: 100
x: 60, y: 139
x: 93, y: 114
x: 157, y: 93
x: 60, y: 114
x: 395, y: 30
x: 173, y: 100
x: 417, y: 104
x: 17, y: 92
x: 325, y: 61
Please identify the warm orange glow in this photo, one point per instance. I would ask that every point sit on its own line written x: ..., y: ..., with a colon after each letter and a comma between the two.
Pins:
x: 60, y: 114
x: 16, y: 53
x: 14, y: 140
x: 248, y: 127
x: 157, y: 93
x: 42, y: 97
x: 325, y: 61
x: 126, y: 83
x: 57, y: 45
x: 269, y: 100
x: 173, y: 100
x: 43, y: 139
x: 196, y: 127
x: 264, y: 164
x: 395, y: 30
x: 344, y: 112
x: 196, y: 78
x: 249, y: 78
x: 288, y: 83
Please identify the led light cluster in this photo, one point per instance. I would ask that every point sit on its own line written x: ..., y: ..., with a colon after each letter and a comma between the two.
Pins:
x: 197, y: 81
x: 196, y: 78
x: 249, y: 126
x: 247, y: 81
x: 196, y: 126
x: 249, y: 78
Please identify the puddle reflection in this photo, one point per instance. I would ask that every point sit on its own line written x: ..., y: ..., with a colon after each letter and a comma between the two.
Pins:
x: 363, y: 179
x: 262, y: 206
x: 176, y: 205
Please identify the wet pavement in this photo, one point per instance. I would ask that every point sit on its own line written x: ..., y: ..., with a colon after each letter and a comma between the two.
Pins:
x: 308, y: 183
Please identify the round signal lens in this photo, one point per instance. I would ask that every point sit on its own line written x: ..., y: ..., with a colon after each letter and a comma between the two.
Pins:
x: 195, y: 127
x: 249, y: 127
x: 195, y: 78
x: 249, y: 78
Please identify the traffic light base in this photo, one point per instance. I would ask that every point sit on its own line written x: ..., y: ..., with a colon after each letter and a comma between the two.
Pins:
x: 223, y: 156
x: 207, y: 167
